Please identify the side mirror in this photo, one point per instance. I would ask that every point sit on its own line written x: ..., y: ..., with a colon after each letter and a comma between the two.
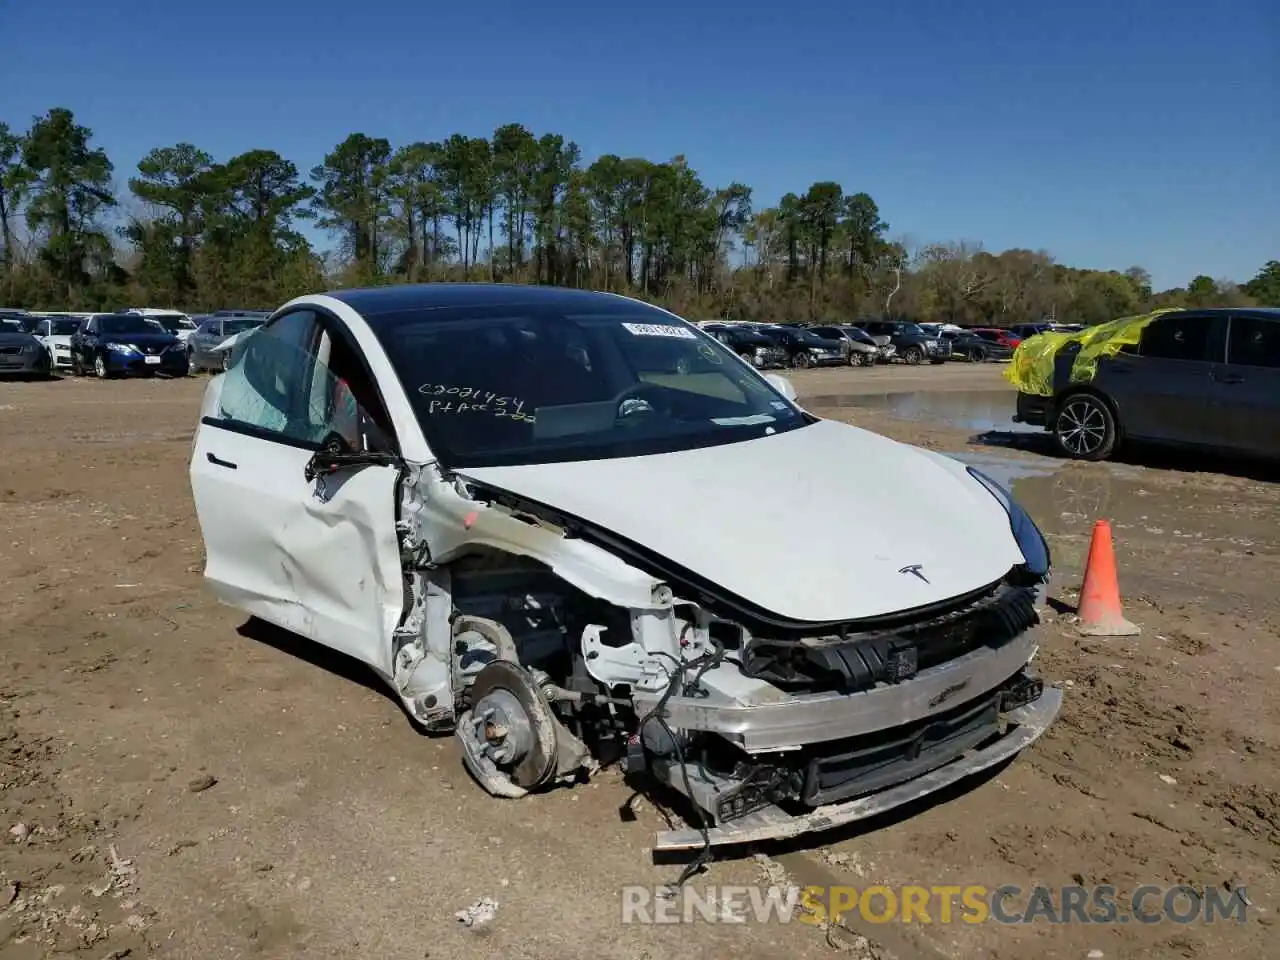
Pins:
x: 782, y: 385
x: 336, y: 453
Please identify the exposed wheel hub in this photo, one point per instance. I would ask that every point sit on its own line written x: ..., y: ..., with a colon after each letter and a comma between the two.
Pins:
x: 503, y: 727
x: 511, y: 730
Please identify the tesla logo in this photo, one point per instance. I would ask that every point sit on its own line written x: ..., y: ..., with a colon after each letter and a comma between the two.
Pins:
x: 914, y: 570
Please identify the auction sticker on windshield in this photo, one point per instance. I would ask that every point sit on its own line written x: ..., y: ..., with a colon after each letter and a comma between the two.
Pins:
x: 660, y: 330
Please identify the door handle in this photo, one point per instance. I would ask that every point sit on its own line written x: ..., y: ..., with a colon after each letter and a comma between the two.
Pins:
x: 219, y: 462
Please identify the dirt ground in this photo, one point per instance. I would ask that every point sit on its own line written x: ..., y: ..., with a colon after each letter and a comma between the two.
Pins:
x: 174, y: 783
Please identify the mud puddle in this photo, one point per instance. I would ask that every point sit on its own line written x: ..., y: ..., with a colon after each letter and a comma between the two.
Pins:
x: 975, y: 410
x: 1065, y: 498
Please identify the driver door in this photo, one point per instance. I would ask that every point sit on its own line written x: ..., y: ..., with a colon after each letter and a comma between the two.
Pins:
x: 317, y: 557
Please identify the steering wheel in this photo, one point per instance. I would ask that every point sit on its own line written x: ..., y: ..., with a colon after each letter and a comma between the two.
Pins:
x: 633, y: 392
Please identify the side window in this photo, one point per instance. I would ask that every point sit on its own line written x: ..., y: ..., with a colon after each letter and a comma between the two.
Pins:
x: 343, y: 399
x: 1254, y: 342
x: 1177, y: 337
x: 269, y: 384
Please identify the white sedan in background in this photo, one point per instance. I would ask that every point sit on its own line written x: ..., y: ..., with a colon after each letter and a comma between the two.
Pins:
x: 542, y: 517
x: 55, y: 333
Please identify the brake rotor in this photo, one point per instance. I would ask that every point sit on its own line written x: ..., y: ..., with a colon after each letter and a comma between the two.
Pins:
x: 515, y: 723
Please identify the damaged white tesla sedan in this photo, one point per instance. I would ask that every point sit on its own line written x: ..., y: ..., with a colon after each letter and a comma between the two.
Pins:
x: 551, y: 521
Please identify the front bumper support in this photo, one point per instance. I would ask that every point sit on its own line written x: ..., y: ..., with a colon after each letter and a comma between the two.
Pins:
x: 788, y: 722
x: 1024, y: 726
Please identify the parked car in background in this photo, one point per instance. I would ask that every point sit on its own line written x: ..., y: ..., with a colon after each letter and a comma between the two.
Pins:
x: 55, y: 332
x: 1202, y: 378
x: 21, y: 354
x: 211, y: 346
x: 804, y: 348
x: 111, y: 344
x: 263, y: 314
x: 1024, y: 330
x: 967, y: 345
x: 912, y: 344
x: 748, y: 342
x: 939, y: 330
x: 860, y: 349
x: 885, y: 350
x: 998, y: 337
x: 174, y: 322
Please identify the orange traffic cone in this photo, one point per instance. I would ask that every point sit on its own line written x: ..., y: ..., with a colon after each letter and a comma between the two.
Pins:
x: 1099, y: 613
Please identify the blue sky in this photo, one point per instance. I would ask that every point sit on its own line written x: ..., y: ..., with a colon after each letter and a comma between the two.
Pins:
x: 1110, y: 133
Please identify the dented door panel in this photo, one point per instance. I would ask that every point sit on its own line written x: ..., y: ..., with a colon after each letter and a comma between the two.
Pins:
x: 318, y: 558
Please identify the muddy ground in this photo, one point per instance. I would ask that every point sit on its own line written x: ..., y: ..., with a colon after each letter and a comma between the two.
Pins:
x: 174, y: 783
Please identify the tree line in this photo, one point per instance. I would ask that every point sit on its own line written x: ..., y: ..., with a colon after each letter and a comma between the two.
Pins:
x: 190, y: 231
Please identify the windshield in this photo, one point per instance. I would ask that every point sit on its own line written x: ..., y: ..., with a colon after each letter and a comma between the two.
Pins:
x: 911, y: 328
x: 241, y: 325
x: 173, y: 322
x: 63, y: 327
x: 495, y: 389
x: 812, y: 339
x: 127, y: 324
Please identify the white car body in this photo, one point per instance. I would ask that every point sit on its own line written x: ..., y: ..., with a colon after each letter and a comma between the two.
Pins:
x: 402, y: 561
x: 58, y: 344
x: 183, y: 325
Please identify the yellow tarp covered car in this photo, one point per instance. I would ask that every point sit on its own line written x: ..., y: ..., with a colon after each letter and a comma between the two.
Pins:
x: 1032, y: 367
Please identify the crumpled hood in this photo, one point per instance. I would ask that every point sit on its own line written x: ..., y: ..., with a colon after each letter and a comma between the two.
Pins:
x: 816, y: 524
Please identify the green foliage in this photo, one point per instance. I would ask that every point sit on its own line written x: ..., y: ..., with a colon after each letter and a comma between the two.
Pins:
x: 513, y: 207
x: 69, y: 183
x: 1265, y: 287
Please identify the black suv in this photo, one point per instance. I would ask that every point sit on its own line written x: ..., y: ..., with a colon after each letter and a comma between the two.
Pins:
x: 747, y: 342
x: 1204, y: 378
x: 912, y: 344
x: 804, y: 348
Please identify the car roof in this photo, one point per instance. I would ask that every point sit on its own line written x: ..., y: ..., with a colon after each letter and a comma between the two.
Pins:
x: 375, y: 301
x: 1272, y: 312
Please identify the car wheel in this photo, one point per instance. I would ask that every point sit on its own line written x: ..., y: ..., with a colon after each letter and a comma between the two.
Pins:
x: 867, y: 359
x: 226, y: 361
x: 977, y: 355
x: 100, y: 367
x: 76, y: 369
x: 801, y: 361
x: 912, y: 355
x: 1084, y: 428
